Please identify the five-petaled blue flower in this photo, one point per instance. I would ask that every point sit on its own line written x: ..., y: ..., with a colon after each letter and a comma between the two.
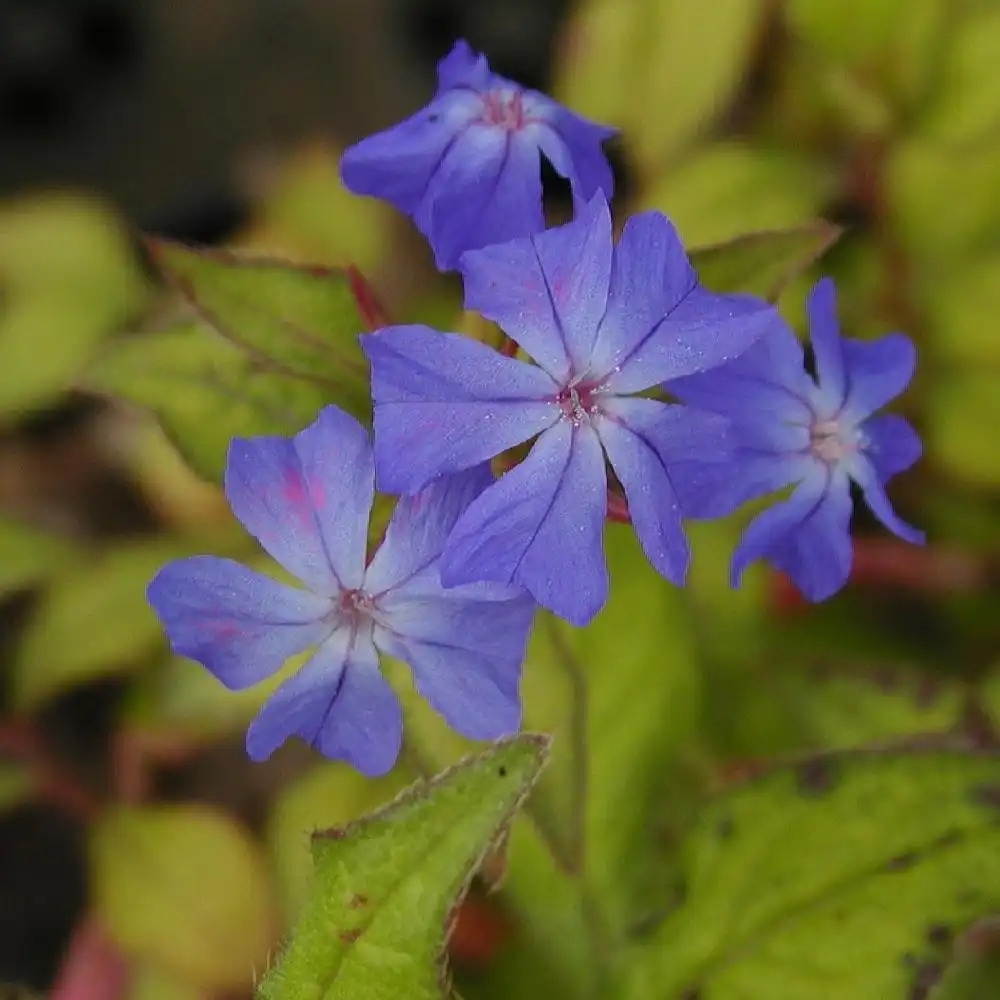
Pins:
x: 818, y: 435
x: 602, y: 323
x: 466, y: 167
x: 307, y: 500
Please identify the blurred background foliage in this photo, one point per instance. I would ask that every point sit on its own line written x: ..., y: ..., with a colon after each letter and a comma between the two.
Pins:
x: 141, y: 856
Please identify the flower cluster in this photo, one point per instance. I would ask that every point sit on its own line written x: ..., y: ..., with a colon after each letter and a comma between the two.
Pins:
x: 628, y: 379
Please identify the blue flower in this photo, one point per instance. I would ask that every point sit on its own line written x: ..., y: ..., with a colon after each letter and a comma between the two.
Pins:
x: 602, y: 323
x: 307, y: 500
x: 818, y: 435
x: 466, y: 167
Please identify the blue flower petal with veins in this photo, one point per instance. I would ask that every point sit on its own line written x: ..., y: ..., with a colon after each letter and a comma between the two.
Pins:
x: 467, y: 167
x: 307, y: 500
x: 818, y: 435
x: 602, y: 322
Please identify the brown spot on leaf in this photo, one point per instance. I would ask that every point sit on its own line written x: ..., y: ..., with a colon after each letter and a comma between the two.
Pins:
x: 725, y: 828
x: 938, y: 934
x: 816, y: 776
x: 987, y: 795
x: 902, y: 861
x: 357, y: 901
x: 926, y: 974
x: 691, y: 993
x: 350, y: 935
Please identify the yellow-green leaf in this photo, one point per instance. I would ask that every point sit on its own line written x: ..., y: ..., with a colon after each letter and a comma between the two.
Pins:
x: 964, y: 104
x: 330, y: 794
x: 660, y: 70
x: 301, y: 321
x: 962, y: 310
x: 29, y: 555
x: 205, y: 391
x: 374, y: 922
x: 147, y: 982
x: 826, y: 877
x: 68, y: 279
x: 763, y: 263
x: 183, y: 888
x: 92, y: 621
x: 932, y: 226
x: 727, y: 188
x: 308, y: 212
x: 890, y: 44
x: 963, y: 407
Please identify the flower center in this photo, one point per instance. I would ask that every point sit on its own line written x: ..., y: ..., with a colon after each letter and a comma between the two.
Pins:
x: 354, y: 604
x: 826, y: 442
x: 577, y: 402
x: 504, y: 109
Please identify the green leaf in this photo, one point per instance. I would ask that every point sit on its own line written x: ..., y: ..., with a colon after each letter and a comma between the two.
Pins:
x: 964, y: 103
x: 185, y: 889
x: 772, y: 710
x: 205, y: 391
x: 92, y: 621
x: 763, y: 263
x: 826, y: 878
x: 961, y: 312
x: 383, y: 888
x: 962, y: 406
x: 890, y: 45
x: 642, y: 703
x: 301, y: 321
x: 933, y: 228
x: 307, y: 212
x: 727, y: 188
x: 660, y: 70
x: 29, y: 555
x: 68, y: 279
x: 620, y: 696
x: 150, y: 983
x: 975, y: 972
x: 330, y: 794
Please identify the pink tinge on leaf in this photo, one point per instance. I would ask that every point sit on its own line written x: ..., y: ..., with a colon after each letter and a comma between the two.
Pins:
x: 92, y: 969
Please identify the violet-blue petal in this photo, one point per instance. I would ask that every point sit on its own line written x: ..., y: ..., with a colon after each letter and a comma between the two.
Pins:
x: 548, y: 291
x: 488, y: 189
x: 465, y: 653
x: 807, y: 535
x: 239, y: 624
x: 650, y: 276
x: 890, y: 443
x: 541, y: 527
x: 703, y: 330
x: 824, y: 333
x: 572, y: 145
x: 420, y: 526
x: 863, y: 472
x: 714, y: 489
x: 710, y: 473
x: 307, y: 499
x: 339, y: 703
x: 640, y: 437
x: 399, y: 163
x: 444, y: 403
x: 462, y: 67
x: 877, y: 371
x: 766, y: 384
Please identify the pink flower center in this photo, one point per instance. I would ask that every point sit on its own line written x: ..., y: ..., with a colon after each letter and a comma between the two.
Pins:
x: 355, y: 604
x: 504, y: 109
x: 577, y: 402
x: 826, y: 443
